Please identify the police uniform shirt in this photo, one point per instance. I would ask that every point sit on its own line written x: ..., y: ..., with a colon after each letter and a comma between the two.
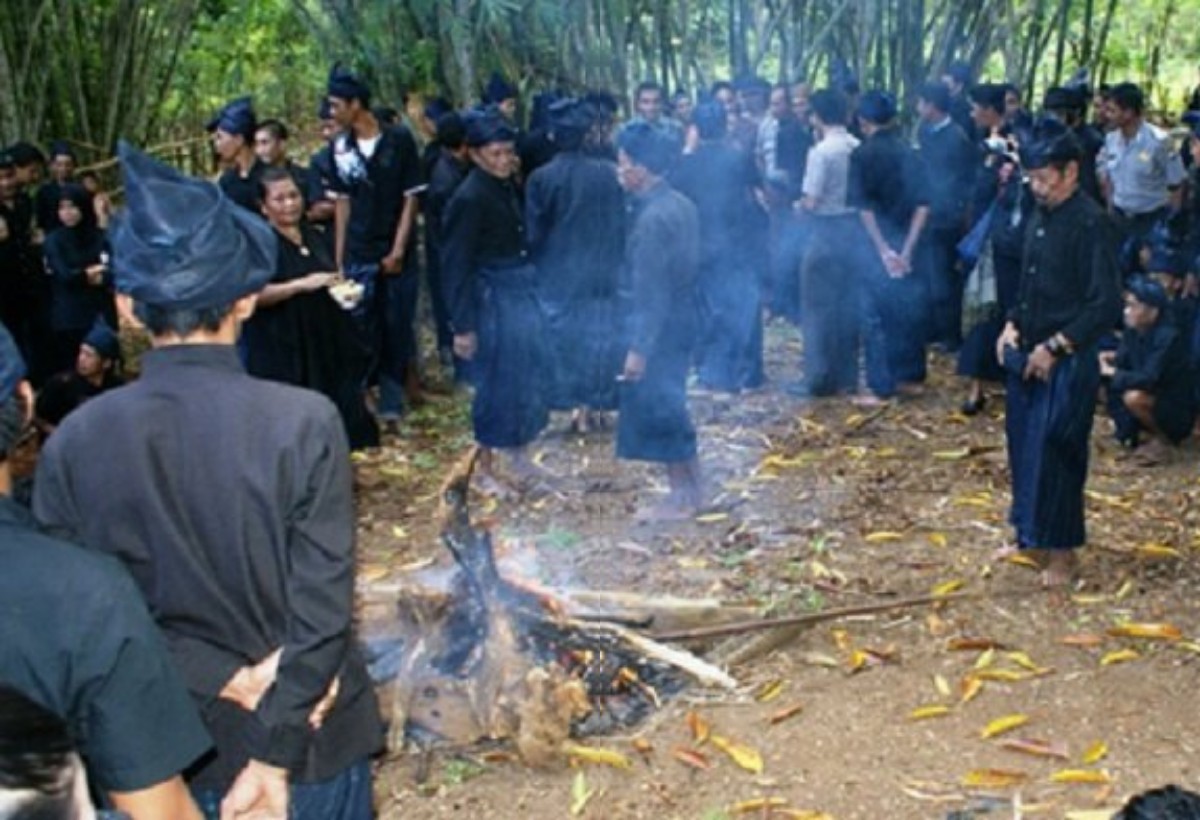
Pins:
x: 229, y: 500
x: 75, y: 637
x: 1070, y: 281
x: 1141, y: 170
x: 377, y: 179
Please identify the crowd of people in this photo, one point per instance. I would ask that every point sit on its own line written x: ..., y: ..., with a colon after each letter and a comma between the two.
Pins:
x: 578, y: 265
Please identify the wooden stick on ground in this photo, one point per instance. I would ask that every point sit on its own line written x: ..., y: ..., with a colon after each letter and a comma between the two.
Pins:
x: 745, y: 627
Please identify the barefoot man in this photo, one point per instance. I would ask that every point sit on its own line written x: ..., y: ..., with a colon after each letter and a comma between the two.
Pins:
x: 1069, y: 296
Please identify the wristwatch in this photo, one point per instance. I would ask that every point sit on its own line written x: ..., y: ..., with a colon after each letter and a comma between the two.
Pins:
x: 1057, y: 346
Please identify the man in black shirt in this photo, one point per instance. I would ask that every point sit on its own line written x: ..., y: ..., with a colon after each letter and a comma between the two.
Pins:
x: 1068, y: 105
x: 319, y: 190
x: 77, y: 640
x: 1149, y: 376
x: 229, y: 500
x: 574, y: 211
x: 664, y: 262
x: 1069, y: 297
x: 957, y: 81
x: 24, y: 289
x: 378, y: 179
x: 491, y: 290
x: 951, y: 161
x: 887, y: 185
x: 448, y: 169
x: 232, y: 132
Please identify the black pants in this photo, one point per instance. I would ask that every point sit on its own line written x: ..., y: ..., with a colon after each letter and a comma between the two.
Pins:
x: 945, y: 287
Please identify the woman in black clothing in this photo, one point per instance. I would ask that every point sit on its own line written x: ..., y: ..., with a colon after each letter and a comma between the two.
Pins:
x: 298, y: 334
x: 81, y: 282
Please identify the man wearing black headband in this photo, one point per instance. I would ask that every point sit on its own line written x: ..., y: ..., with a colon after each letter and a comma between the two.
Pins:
x: 490, y: 286
x: 663, y: 252
x: 1069, y: 297
x: 575, y: 211
x: 1068, y: 105
x: 232, y: 132
x: 229, y: 499
x: 1150, y: 379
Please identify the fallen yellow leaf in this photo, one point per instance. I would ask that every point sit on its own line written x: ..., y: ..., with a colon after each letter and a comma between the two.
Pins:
x: 926, y: 712
x: 941, y: 685
x: 1023, y: 660
x: 1087, y: 600
x: 952, y: 455
x: 1005, y: 675
x: 1087, y: 776
x: 699, y: 726
x: 712, y: 518
x: 938, y: 539
x: 784, y: 714
x: 593, y: 754
x: 758, y: 805
x: 693, y: 758
x: 372, y: 572
x: 1003, y: 724
x: 947, y: 588
x: 581, y: 795
x: 769, y: 691
x: 985, y: 659
x: 970, y: 688
x: 1160, y: 632
x: 1095, y: 753
x: 801, y: 814
x: 883, y: 536
x: 1120, y: 656
x: 859, y: 660
x: 1091, y: 814
x: 993, y: 778
x: 746, y: 757
x: 1158, y: 551
x: 1022, y: 561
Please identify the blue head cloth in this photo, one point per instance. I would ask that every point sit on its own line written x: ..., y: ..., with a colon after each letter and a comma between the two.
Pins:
x: 61, y: 148
x: 324, y: 109
x: 1148, y: 292
x: 488, y: 126
x: 103, y: 339
x: 1064, y: 98
x: 1165, y: 260
x: 12, y: 366
x: 878, y: 107
x: 345, y: 85
x: 569, y: 117
x: 181, y: 244
x: 1052, y: 143
x: 652, y: 148
x: 498, y: 89
x: 237, y: 117
x: 438, y: 106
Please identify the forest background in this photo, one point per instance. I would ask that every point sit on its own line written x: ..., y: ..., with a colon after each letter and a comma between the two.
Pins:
x: 153, y: 71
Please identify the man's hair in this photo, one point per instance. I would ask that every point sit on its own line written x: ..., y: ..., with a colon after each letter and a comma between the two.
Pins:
x: 829, y: 105
x: 1127, y: 96
x: 1167, y: 803
x: 36, y: 755
x: 720, y: 85
x: 269, y: 177
x: 162, y: 321
x: 937, y: 95
x: 276, y: 128
x: 648, y: 85
x: 451, y: 132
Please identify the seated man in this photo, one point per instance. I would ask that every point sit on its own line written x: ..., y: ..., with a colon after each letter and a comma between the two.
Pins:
x: 1150, y: 380
x: 77, y: 640
x: 94, y: 373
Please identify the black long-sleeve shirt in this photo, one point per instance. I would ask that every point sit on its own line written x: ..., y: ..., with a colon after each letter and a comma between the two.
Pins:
x: 951, y: 160
x: 888, y: 179
x: 1155, y: 361
x: 664, y: 261
x: 1070, y: 280
x: 574, y: 214
x: 483, y: 225
x: 229, y: 500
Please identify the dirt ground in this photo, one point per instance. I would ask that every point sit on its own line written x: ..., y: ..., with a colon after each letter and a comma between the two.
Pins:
x: 821, y: 505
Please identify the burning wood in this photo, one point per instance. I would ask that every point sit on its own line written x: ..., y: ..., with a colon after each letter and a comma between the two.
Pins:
x: 497, y: 659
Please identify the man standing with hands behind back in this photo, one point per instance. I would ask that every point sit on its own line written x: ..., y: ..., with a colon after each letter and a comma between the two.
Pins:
x: 229, y: 500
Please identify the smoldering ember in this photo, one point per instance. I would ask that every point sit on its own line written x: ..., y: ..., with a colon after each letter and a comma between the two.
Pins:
x: 760, y: 409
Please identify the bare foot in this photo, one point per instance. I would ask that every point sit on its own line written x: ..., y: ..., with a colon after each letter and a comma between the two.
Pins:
x: 1005, y: 552
x: 911, y: 390
x: 668, y: 510
x: 1153, y: 453
x: 867, y: 400
x: 1060, y: 569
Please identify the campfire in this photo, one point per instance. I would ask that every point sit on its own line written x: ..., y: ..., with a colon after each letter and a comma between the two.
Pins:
x: 480, y: 656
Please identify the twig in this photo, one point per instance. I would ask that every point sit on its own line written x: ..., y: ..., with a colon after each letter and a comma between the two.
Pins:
x: 744, y: 627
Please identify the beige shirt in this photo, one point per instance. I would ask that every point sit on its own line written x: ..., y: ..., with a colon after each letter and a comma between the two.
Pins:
x: 827, y: 175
